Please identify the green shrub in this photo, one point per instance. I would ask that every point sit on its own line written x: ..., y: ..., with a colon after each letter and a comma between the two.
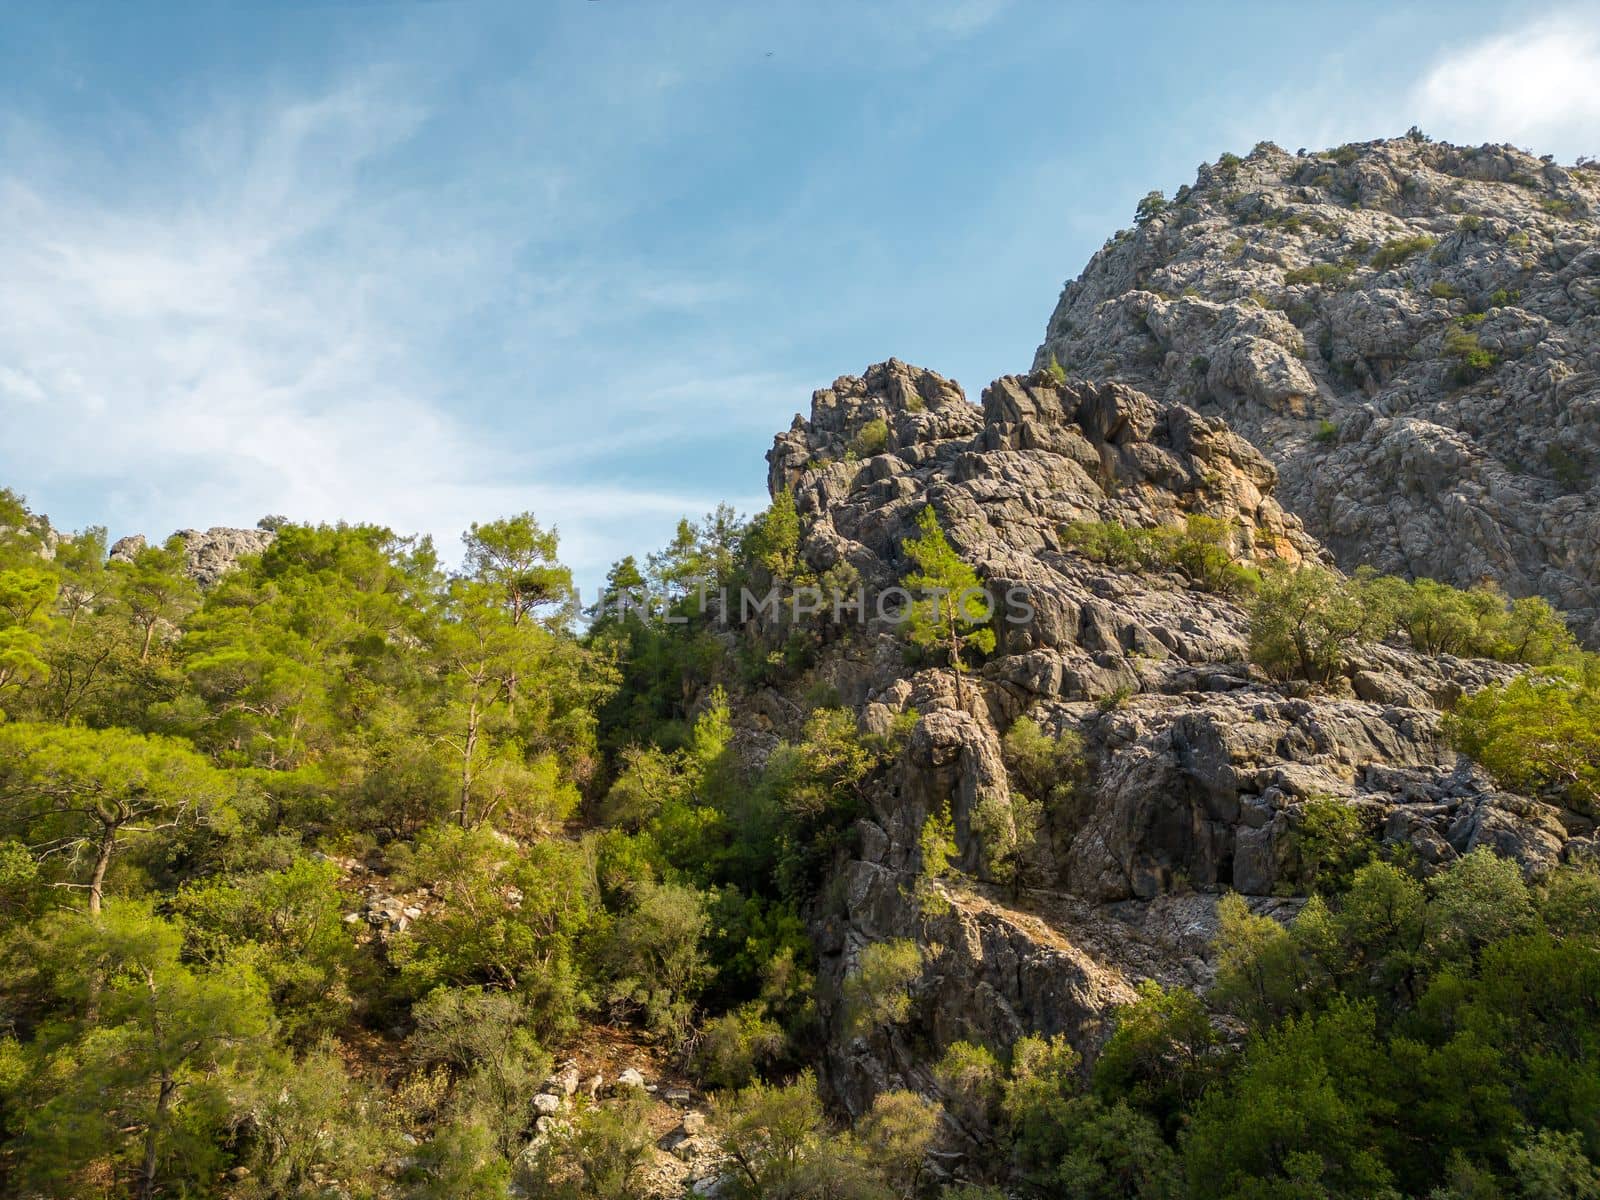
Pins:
x: 871, y: 438
x: 1476, y: 622
x: 1332, y: 841
x: 1327, y: 433
x: 1332, y: 275
x: 877, y: 993
x: 1472, y: 359
x: 1006, y: 828
x: 1538, y: 733
x: 735, y: 1047
x: 1200, y: 548
x: 1160, y: 1057
x: 1395, y: 251
x: 1470, y: 223
x: 1304, y: 619
x: 969, y: 1078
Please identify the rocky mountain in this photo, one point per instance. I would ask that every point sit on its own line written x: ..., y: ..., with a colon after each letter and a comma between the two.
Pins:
x: 208, y: 555
x: 1408, y: 330
x: 1199, y: 768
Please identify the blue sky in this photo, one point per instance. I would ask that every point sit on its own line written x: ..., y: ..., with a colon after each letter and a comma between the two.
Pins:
x: 435, y: 262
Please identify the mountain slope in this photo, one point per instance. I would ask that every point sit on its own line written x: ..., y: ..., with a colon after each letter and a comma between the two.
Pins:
x: 1409, y: 330
x: 1198, y: 771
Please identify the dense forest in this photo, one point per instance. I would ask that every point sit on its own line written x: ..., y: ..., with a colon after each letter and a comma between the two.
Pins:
x: 310, y: 880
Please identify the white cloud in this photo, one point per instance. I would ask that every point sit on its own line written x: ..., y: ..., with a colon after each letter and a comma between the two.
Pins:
x: 1534, y: 86
x: 253, y: 334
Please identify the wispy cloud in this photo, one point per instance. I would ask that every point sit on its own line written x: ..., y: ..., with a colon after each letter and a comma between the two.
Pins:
x: 254, y: 335
x: 1533, y: 85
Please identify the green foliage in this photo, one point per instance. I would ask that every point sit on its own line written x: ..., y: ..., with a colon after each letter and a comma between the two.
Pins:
x: 936, y: 845
x: 954, y: 611
x: 1149, y: 208
x: 26, y: 596
x: 310, y: 1125
x: 1007, y: 828
x: 1567, y: 468
x: 1332, y: 841
x: 599, y: 1154
x: 510, y: 919
x: 779, y: 1146
x: 1200, y: 549
x: 154, y: 590
x: 481, y: 1038
x: 1291, y: 1123
x: 518, y: 558
x: 773, y: 541
x: 1065, y: 1143
x: 288, y: 925
x: 77, y: 797
x: 877, y: 993
x: 1539, y: 733
x: 872, y: 438
x: 1472, y: 359
x: 1258, y: 973
x: 1323, y: 274
x: 654, y: 958
x: 1303, y: 619
x: 1396, y: 250
x: 133, y: 1079
x: 737, y: 1046
x: 1057, y: 373
x: 1161, y: 1056
x: 970, y: 1079
x: 1478, y: 622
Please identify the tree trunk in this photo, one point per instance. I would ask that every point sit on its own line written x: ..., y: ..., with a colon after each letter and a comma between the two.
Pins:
x: 149, y: 636
x: 146, y: 1187
x: 102, y: 860
x: 955, y: 662
x: 468, y: 751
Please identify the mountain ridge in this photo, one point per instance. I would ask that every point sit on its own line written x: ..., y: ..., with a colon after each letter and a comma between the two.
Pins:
x: 1409, y: 330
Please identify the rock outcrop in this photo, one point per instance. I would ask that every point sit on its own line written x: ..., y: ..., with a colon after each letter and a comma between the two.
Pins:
x: 1199, y: 769
x: 1409, y: 330
x: 208, y: 555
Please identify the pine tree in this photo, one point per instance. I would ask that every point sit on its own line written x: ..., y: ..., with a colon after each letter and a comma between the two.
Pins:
x: 955, y: 612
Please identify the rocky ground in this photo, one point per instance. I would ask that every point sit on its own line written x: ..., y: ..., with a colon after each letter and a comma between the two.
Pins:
x: 1409, y: 330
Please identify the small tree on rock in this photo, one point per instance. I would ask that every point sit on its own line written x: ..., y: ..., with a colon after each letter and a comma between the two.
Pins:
x: 955, y: 610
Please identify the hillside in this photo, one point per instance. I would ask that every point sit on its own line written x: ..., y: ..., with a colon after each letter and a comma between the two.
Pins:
x: 1409, y: 330
x: 1200, y: 769
x: 1024, y: 804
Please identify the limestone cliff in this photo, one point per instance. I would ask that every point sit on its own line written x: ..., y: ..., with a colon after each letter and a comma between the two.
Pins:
x: 1409, y: 330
